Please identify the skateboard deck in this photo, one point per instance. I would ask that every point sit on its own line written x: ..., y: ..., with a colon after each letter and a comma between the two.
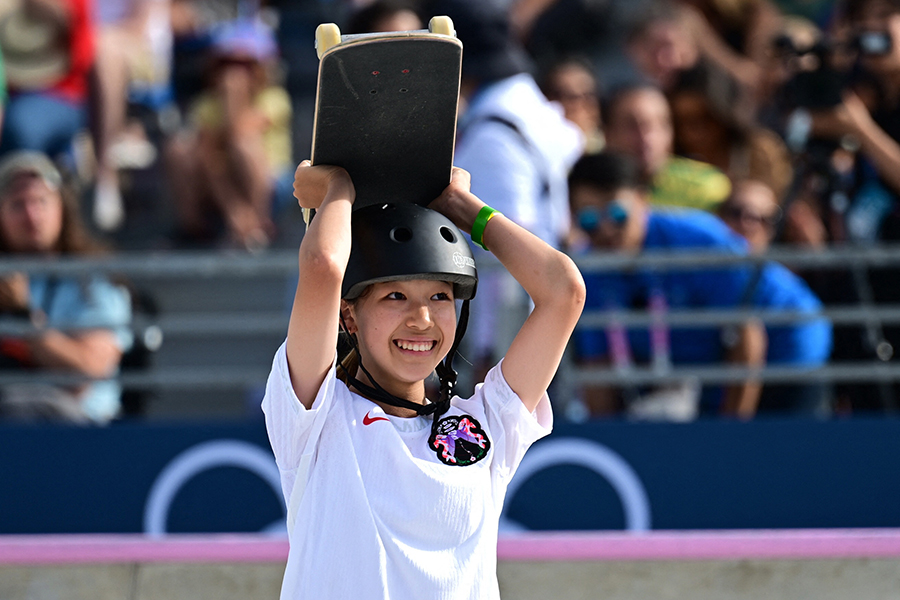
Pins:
x: 386, y: 108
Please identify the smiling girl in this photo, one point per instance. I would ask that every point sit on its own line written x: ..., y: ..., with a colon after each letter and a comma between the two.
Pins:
x: 391, y: 494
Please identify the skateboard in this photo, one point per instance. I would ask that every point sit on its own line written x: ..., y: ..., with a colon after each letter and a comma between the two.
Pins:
x: 386, y: 107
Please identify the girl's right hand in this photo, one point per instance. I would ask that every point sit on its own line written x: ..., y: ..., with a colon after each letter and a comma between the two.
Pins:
x: 313, y: 183
x: 457, y: 202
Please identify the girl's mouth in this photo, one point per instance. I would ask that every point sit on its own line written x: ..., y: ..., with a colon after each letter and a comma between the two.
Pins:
x: 423, y: 346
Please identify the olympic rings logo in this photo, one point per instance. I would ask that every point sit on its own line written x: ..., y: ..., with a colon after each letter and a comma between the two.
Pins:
x: 200, y: 458
x: 235, y: 453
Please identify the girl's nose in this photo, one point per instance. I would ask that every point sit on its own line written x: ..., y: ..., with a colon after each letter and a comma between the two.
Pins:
x: 420, y: 317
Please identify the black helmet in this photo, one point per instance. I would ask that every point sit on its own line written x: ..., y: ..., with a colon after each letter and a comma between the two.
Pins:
x: 407, y: 241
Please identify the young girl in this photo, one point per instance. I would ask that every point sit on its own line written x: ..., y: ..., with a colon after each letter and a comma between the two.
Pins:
x: 389, y: 494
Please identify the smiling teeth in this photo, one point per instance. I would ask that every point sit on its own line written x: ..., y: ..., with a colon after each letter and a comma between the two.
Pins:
x: 415, y: 346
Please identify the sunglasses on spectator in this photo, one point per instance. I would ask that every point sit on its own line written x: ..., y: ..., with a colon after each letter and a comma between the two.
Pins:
x: 590, y: 218
x: 742, y: 214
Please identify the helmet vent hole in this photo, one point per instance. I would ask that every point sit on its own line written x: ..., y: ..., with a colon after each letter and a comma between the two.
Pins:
x: 401, y: 234
x: 448, y: 235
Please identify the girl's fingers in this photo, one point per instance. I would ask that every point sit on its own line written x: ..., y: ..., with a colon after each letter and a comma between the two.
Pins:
x: 461, y: 177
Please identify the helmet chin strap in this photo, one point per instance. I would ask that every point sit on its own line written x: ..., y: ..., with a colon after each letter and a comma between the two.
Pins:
x: 446, y: 374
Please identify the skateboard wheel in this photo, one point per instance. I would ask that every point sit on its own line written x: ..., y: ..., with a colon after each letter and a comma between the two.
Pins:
x: 328, y: 35
x: 441, y: 25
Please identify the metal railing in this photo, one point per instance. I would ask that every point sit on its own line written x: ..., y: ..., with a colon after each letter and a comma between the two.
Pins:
x: 147, y: 266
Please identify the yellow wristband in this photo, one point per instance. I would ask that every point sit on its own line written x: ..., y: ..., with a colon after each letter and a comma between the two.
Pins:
x: 484, y: 215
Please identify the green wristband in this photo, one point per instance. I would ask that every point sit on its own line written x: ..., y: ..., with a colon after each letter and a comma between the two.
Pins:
x: 484, y: 215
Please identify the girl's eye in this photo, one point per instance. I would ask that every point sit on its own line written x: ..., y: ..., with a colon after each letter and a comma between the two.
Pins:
x: 441, y: 296
x: 396, y: 296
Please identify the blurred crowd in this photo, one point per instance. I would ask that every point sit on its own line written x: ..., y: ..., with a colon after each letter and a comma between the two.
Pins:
x: 619, y: 126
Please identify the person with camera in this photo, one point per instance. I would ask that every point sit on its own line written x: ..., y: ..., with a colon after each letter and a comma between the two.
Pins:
x: 850, y: 116
x: 868, y: 113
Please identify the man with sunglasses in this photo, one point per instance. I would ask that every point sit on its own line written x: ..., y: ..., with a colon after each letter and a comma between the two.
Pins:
x: 610, y: 207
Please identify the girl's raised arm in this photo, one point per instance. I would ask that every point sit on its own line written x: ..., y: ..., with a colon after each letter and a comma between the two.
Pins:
x: 550, y: 278
x: 324, y: 251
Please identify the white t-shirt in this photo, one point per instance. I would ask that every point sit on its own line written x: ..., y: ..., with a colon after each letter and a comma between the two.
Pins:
x: 377, y: 511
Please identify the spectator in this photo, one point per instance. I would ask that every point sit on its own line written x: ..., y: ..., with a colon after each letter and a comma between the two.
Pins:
x: 572, y: 83
x: 867, y: 114
x: 134, y: 40
x: 386, y: 15
x: 193, y: 22
x: 81, y: 323
x: 639, y: 124
x: 228, y: 165
x: 48, y: 50
x: 672, y: 37
x: 518, y: 148
x: 753, y: 212
x: 710, y: 127
x: 554, y: 30
x: 610, y: 204
x: 744, y: 26
x: 660, y: 45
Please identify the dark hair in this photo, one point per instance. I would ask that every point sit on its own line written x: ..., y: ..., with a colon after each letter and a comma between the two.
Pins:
x: 619, y: 93
x: 577, y: 61
x: 365, y: 19
x: 491, y: 50
x: 607, y: 171
x: 723, y: 98
x: 851, y: 10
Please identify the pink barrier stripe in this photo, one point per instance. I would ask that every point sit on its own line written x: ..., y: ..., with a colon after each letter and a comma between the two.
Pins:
x: 65, y: 549
x: 702, y: 545
x: 557, y: 546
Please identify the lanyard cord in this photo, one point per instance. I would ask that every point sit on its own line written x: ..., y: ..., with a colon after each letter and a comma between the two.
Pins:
x: 620, y: 347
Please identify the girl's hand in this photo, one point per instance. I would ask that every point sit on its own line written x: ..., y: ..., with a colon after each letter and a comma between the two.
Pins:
x: 313, y: 184
x: 457, y: 203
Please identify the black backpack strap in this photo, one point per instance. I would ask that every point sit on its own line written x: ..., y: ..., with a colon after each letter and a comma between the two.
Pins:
x: 537, y: 158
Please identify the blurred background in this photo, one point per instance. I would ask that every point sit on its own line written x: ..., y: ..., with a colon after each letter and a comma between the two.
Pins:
x: 724, y: 172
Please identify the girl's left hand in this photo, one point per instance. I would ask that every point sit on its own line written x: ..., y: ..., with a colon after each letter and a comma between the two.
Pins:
x: 456, y: 202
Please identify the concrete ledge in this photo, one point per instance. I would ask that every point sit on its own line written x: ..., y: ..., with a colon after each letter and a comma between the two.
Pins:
x: 831, y: 579
x: 736, y: 565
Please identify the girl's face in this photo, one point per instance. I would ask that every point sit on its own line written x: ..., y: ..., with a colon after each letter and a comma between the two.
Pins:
x: 404, y: 329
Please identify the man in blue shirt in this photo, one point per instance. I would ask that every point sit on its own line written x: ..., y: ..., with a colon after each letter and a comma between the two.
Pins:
x: 611, y: 209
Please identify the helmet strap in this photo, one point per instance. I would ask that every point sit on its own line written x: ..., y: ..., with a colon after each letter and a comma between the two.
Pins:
x: 446, y: 375
x: 375, y: 391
